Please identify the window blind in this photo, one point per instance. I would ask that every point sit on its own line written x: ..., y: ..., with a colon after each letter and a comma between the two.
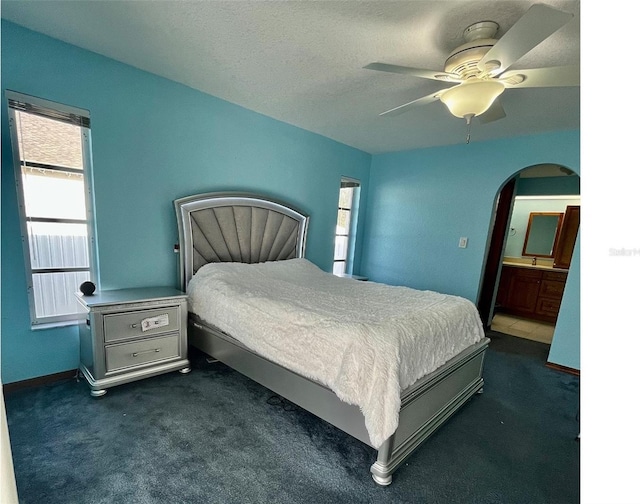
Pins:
x: 65, y: 114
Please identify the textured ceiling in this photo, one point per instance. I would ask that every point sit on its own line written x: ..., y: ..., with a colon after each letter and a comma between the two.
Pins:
x: 301, y: 61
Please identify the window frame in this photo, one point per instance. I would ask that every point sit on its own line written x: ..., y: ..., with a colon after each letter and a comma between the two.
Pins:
x: 70, y: 115
x: 346, y: 182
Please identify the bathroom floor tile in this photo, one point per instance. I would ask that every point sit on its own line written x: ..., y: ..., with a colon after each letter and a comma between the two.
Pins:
x: 523, y: 328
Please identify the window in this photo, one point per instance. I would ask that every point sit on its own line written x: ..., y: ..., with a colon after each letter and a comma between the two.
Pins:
x: 346, y: 227
x: 51, y: 151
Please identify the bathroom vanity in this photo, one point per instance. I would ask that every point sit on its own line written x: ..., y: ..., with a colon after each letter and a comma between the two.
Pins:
x: 531, y: 291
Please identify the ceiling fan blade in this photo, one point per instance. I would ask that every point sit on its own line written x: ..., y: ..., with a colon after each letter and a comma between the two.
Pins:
x: 560, y: 76
x: 415, y: 103
x: 495, y: 112
x: 416, y: 72
x: 538, y: 23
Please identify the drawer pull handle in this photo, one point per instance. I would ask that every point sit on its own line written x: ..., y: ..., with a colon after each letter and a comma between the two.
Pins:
x: 133, y: 326
x: 135, y: 354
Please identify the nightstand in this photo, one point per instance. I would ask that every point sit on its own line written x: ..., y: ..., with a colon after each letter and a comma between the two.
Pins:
x: 131, y: 334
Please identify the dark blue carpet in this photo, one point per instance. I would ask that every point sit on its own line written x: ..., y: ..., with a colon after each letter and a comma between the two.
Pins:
x: 214, y: 436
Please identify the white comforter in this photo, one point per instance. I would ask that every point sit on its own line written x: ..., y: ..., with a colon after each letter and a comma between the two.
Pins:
x: 365, y: 341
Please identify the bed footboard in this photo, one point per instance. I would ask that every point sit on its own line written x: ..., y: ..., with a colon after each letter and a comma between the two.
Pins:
x: 427, y: 406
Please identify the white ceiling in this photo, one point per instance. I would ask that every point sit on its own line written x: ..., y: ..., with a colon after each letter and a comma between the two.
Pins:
x: 301, y: 61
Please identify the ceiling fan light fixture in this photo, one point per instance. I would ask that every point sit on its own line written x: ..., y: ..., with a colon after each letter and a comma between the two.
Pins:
x: 471, y: 98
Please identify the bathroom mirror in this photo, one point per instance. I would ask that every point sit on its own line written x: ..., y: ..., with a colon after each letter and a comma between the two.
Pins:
x: 543, y: 231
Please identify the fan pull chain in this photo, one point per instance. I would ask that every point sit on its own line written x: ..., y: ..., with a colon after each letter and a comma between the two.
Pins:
x: 468, y: 118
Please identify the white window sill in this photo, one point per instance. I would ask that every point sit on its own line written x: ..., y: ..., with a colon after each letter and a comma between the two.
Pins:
x: 52, y: 325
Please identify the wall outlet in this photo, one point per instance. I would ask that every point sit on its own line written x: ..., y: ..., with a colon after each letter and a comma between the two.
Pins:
x: 463, y: 242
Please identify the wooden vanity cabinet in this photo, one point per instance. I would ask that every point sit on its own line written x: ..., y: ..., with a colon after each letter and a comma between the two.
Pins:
x: 519, y: 287
x: 530, y: 293
x: 550, y: 294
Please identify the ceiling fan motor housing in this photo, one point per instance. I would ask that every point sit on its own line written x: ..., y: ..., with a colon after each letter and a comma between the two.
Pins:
x: 463, y: 60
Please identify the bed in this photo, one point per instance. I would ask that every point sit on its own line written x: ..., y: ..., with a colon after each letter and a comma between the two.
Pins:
x: 243, y: 255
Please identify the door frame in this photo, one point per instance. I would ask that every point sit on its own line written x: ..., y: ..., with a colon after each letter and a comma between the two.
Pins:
x: 498, y: 233
x: 497, y: 239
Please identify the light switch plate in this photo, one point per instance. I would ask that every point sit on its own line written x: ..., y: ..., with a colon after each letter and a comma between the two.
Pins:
x: 463, y: 242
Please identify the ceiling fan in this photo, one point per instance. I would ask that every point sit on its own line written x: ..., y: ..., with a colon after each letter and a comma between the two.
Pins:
x: 480, y: 66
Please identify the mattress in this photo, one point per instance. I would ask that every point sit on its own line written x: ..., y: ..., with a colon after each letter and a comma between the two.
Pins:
x: 365, y: 341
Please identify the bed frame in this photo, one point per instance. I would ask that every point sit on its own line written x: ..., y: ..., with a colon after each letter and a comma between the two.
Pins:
x: 243, y: 227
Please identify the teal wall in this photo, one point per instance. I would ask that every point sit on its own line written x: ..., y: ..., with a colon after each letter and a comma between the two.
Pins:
x: 421, y: 202
x: 536, y: 186
x: 565, y: 347
x: 153, y: 141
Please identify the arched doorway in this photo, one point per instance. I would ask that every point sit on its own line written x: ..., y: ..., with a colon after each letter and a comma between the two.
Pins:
x: 521, y: 287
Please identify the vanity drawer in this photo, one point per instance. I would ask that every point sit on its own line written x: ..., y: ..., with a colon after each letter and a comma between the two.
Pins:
x: 136, y: 353
x: 556, y: 276
x: 551, y: 289
x: 119, y: 326
x: 528, y: 272
x: 548, y: 307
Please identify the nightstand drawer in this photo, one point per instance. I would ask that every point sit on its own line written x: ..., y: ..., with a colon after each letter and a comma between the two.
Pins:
x: 119, y: 326
x: 136, y: 353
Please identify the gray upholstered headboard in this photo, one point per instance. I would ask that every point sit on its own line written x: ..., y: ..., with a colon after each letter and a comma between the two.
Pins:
x: 237, y: 227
